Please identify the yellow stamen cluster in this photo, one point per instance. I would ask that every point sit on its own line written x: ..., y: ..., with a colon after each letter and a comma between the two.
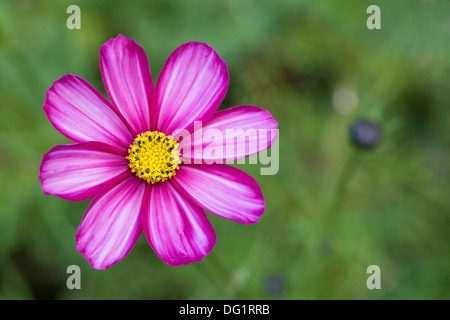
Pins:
x: 154, y: 157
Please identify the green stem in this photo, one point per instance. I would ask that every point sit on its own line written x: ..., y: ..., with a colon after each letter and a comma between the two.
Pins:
x: 219, y: 276
x: 341, y: 187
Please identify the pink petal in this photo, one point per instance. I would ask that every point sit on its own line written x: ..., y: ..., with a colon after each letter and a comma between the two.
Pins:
x: 222, y: 190
x: 191, y: 86
x: 82, y: 114
x: 112, y: 223
x: 231, y: 134
x: 77, y: 172
x: 128, y: 81
x: 177, y: 229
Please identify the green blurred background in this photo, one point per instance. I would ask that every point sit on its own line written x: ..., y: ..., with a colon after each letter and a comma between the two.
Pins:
x: 331, y: 210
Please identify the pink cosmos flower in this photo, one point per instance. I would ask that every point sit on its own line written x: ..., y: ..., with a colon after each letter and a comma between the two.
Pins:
x: 124, y: 157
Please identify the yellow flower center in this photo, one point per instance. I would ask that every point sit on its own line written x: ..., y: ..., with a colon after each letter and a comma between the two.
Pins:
x: 154, y: 157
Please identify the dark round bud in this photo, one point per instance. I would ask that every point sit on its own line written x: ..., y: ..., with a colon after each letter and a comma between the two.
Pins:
x: 365, y: 134
x: 275, y: 285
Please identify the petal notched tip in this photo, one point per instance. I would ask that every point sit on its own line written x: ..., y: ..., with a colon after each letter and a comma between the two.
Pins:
x: 119, y: 40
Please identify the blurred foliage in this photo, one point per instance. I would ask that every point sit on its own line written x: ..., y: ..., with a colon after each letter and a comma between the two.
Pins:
x: 331, y: 211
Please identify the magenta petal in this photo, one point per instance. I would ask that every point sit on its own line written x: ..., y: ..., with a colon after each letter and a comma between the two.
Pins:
x: 222, y: 190
x: 191, y: 86
x: 233, y: 134
x: 112, y: 223
x: 82, y: 114
x: 178, y: 230
x: 78, y: 172
x: 128, y: 81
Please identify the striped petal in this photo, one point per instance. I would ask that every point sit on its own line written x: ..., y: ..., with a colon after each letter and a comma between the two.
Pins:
x: 82, y: 114
x: 128, y: 81
x: 191, y: 86
x: 231, y: 134
x: 222, y: 190
x: 178, y: 230
x: 112, y: 224
x: 77, y: 172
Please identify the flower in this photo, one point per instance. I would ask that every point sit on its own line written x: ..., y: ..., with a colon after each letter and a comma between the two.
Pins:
x: 124, y: 157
